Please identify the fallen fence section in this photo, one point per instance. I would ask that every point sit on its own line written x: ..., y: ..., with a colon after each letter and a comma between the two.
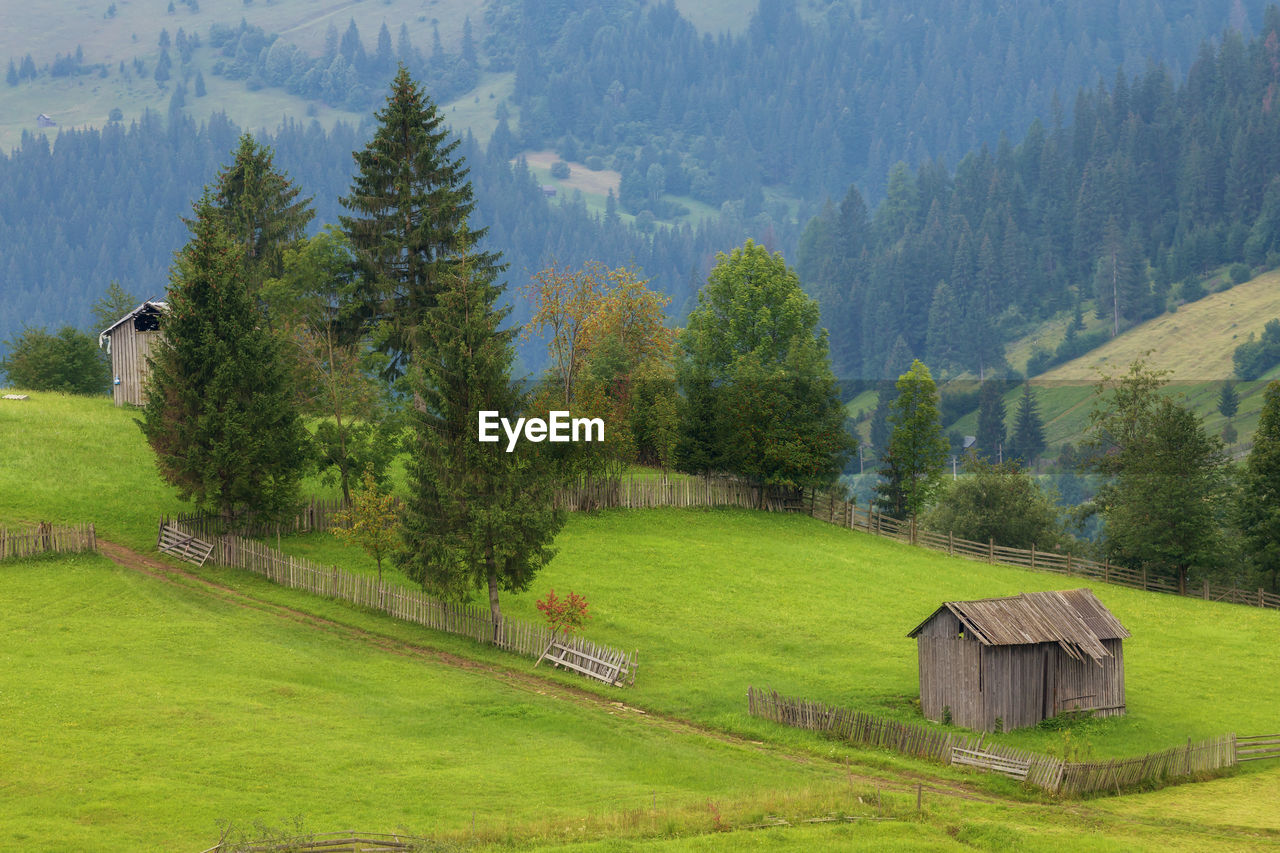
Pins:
x: 1204, y: 758
x: 411, y: 605
x: 577, y: 654
x: 46, y: 538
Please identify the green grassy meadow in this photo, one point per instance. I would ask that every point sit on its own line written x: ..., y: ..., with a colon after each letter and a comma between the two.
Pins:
x: 140, y: 713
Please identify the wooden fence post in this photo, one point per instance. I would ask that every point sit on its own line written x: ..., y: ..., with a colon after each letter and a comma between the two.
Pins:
x: 991, y: 550
x: 951, y: 543
x: 1206, y: 589
x: 1033, y: 556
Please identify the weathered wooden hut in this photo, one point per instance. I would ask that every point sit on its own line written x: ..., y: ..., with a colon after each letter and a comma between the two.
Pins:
x: 1020, y: 660
x: 129, y: 341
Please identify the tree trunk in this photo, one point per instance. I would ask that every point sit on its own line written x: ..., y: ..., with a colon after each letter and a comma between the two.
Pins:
x: 495, y: 612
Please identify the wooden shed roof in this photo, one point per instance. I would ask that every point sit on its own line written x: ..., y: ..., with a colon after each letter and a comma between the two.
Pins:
x: 149, y: 305
x: 1074, y: 619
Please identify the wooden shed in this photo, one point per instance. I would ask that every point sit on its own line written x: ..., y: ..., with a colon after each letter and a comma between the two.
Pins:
x: 129, y: 341
x: 1021, y: 659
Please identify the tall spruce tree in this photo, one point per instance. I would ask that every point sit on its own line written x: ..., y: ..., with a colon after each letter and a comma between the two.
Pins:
x: 477, y: 516
x: 1259, y: 508
x: 219, y: 412
x: 410, y: 200
x: 991, y: 419
x: 1027, y: 441
x: 261, y: 211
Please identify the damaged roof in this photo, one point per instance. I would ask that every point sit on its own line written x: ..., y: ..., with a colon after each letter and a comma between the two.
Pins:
x: 1074, y: 619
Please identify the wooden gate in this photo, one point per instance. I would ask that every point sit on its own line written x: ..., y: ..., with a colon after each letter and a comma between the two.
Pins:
x: 184, y: 546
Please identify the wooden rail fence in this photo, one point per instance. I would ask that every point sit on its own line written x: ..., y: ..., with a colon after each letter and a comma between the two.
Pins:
x: 413, y: 605
x: 46, y: 538
x: 849, y: 515
x: 1257, y: 747
x: 1203, y: 758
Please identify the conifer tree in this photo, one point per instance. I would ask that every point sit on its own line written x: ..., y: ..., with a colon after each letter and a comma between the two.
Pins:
x: 477, y: 516
x: 1228, y: 400
x: 219, y: 413
x: 410, y: 200
x: 1259, y: 509
x: 991, y: 419
x: 1027, y: 442
x: 260, y: 211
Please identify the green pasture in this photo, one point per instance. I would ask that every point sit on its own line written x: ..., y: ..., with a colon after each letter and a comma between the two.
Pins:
x: 718, y: 600
x: 141, y: 713
x: 138, y: 714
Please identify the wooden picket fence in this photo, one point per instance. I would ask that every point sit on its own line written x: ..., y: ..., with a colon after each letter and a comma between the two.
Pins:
x: 648, y: 493
x: 317, y: 514
x: 847, y: 514
x: 1066, y: 778
x: 46, y: 538
x: 529, y: 639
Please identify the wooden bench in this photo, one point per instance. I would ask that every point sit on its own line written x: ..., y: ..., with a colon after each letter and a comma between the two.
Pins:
x: 184, y: 546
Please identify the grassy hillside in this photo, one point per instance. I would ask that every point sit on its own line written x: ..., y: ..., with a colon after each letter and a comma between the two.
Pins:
x: 119, y: 679
x: 134, y: 32
x: 1194, y: 344
x: 131, y: 731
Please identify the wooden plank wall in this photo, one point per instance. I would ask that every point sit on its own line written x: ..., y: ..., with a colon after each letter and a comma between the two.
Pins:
x: 46, y: 538
x: 1199, y: 759
x: 129, y: 352
x: 412, y: 605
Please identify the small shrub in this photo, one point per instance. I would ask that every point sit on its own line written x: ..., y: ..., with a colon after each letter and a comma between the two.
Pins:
x: 595, y: 162
x: 946, y: 715
x: 564, y: 615
x: 1240, y: 273
x: 560, y: 170
x: 998, y: 727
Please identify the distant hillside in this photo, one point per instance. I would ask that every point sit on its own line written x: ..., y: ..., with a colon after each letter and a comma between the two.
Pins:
x: 1194, y: 344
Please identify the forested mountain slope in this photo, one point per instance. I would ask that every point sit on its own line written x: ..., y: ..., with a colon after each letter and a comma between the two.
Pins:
x: 1132, y: 204
x: 761, y: 124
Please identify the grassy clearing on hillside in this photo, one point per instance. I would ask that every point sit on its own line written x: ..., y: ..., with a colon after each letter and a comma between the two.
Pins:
x: 1195, y: 344
x: 130, y: 731
x: 718, y: 600
x: 134, y: 32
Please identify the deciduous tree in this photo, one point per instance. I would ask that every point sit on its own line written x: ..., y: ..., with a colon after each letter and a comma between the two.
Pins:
x: 371, y: 520
x: 998, y: 502
x: 912, y: 468
x: 1164, y: 503
x: 68, y: 361
x: 753, y: 360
